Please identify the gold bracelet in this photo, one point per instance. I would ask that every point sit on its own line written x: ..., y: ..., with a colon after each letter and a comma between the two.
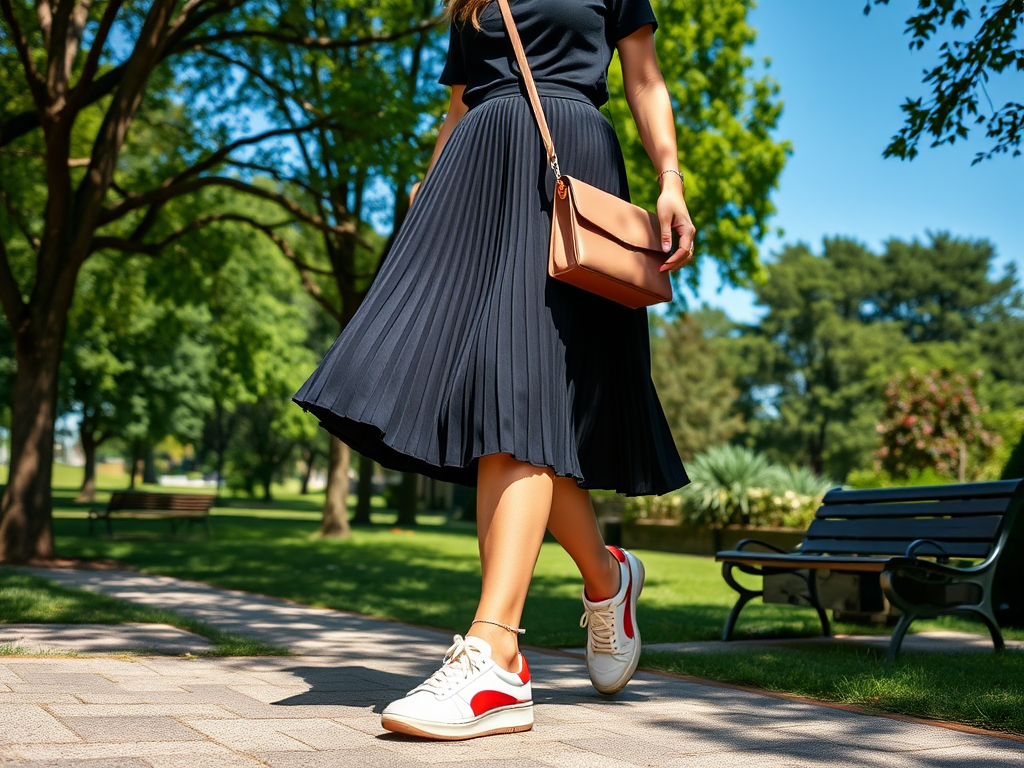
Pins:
x: 517, y: 630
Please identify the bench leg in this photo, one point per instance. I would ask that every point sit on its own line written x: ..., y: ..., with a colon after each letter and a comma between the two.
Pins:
x: 993, y: 627
x: 206, y: 525
x: 746, y: 595
x: 110, y: 528
x: 902, y: 625
x: 812, y: 591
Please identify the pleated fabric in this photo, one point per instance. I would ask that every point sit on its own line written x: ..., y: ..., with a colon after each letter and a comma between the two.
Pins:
x: 465, y: 346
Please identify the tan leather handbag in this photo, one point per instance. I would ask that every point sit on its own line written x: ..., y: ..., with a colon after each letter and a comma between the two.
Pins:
x: 599, y: 242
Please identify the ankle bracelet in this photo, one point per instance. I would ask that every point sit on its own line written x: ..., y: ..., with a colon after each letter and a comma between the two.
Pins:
x: 517, y: 630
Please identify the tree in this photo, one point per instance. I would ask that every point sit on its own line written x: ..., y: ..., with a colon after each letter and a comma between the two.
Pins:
x: 71, y: 99
x: 379, y: 106
x: 695, y: 387
x: 959, y: 79
x: 839, y: 326
x: 933, y: 422
x: 724, y: 120
x: 816, y: 371
x: 135, y: 367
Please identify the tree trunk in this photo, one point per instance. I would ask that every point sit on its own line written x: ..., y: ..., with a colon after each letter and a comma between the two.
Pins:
x: 365, y: 491
x: 335, y: 519
x: 309, y: 455
x: 133, y: 465
x: 149, y: 466
x: 408, y: 498
x: 26, y: 511
x: 267, y: 495
x: 89, y: 445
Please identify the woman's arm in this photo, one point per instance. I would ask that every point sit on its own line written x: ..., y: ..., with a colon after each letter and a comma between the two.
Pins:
x: 648, y: 99
x: 456, y: 109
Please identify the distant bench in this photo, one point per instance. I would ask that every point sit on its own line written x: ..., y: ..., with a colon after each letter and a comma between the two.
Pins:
x: 898, y: 542
x: 150, y: 506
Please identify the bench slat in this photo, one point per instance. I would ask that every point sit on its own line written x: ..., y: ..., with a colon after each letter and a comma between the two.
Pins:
x: 938, y: 528
x: 952, y: 508
x: 893, y: 547
x: 997, y: 488
x: 169, y: 502
x: 816, y: 562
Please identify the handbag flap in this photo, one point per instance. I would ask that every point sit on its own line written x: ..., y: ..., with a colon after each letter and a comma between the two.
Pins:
x: 629, y: 224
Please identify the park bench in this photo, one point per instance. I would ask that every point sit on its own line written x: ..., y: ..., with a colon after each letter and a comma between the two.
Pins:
x: 930, y: 551
x: 149, y: 506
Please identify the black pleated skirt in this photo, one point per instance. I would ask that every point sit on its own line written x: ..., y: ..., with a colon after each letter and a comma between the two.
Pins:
x: 465, y: 346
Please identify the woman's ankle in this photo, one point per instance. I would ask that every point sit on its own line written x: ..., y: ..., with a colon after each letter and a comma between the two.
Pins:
x: 504, y: 644
x: 606, y: 584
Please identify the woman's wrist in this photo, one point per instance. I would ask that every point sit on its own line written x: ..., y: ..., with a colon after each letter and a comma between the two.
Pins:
x: 670, y: 173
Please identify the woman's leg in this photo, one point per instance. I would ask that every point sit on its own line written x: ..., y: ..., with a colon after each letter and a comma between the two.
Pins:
x: 512, y: 505
x: 573, y: 523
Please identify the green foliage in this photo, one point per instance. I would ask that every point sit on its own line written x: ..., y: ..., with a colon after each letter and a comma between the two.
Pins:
x: 958, y: 80
x: 841, y: 325
x: 721, y: 482
x: 694, y: 386
x: 875, y: 478
x: 724, y: 121
x: 732, y: 485
x: 1015, y: 464
x: 933, y: 421
x: 799, y: 480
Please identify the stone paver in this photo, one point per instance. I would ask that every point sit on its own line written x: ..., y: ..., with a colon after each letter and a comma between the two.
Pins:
x: 98, y: 638
x: 321, y: 707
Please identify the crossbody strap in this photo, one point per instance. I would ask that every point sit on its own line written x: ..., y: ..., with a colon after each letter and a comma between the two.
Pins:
x: 524, y: 67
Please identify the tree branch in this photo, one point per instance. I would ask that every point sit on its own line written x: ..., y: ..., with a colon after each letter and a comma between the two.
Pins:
x: 321, y: 43
x: 35, y: 81
x: 10, y: 294
x: 78, y: 94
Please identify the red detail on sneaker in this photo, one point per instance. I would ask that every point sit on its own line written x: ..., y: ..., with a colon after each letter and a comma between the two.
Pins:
x: 485, y: 701
x: 628, y: 613
x: 619, y: 554
x: 524, y: 672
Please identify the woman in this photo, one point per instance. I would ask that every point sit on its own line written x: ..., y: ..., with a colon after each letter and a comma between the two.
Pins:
x: 467, y: 363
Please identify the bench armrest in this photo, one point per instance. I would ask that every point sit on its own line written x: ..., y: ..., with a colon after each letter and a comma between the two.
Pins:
x: 943, y: 557
x: 745, y: 542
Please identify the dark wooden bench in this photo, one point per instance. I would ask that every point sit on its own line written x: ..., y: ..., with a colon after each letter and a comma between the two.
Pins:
x: 150, y: 506
x: 900, y: 543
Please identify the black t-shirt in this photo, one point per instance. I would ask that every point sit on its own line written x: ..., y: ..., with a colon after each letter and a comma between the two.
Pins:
x: 566, y: 41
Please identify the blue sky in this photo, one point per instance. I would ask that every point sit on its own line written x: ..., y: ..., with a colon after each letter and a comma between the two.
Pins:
x: 843, y: 77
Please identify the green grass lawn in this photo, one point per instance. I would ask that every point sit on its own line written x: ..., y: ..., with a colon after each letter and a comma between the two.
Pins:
x: 28, y: 599
x: 430, y: 575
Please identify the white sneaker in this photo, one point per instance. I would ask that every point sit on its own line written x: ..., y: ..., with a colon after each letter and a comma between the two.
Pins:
x: 613, y: 637
x: 470, y: 695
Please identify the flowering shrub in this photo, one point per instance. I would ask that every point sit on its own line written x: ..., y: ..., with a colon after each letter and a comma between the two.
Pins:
x: 733, y: 485
x: 933, y: 421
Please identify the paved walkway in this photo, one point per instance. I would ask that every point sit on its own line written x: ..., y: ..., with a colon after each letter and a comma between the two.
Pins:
x: 321, y: 708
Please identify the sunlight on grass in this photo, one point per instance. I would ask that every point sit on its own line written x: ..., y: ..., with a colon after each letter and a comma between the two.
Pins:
x: 28, y: 599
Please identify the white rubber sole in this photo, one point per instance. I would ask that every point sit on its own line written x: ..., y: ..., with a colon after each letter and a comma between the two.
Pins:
x: 511, y: 719
x: 629, y: 669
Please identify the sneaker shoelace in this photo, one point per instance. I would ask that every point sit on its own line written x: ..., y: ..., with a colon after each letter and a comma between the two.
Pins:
x: 460, y: 661
x: 601, y: 625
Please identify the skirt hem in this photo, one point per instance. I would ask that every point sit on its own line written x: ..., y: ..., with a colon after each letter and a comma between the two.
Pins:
x: 359, y: 435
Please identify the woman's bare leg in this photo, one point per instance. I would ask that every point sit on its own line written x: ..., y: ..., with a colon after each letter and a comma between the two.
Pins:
x: 512, y: 505
x: 573, y: 523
